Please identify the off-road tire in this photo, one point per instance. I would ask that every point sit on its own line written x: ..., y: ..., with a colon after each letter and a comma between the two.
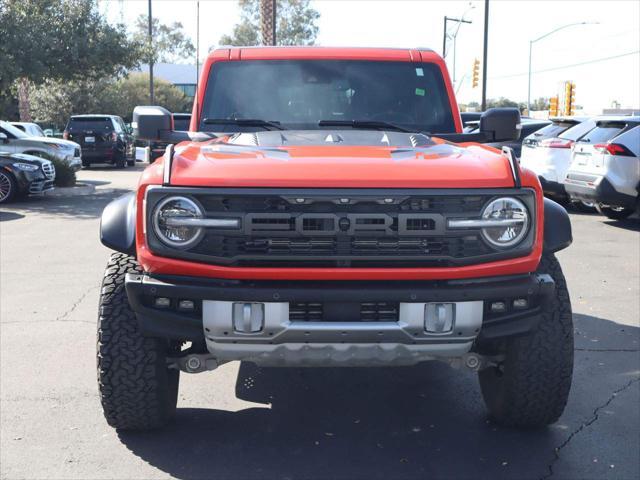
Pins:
x: 530, y: 387
x: 616, y: 214
x: 121, y: 160
x: 137, y: 390
x: 131, y: 163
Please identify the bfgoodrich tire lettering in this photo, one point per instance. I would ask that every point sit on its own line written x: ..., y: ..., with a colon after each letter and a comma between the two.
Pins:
x: 530, y: 388
x: 137, y: 390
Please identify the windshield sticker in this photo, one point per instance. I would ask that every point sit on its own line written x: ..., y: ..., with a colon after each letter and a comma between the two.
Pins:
x: 420, y: 91
x: 419, y: 72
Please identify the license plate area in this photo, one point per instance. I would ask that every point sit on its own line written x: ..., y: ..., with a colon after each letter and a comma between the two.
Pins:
x: 90, y: 139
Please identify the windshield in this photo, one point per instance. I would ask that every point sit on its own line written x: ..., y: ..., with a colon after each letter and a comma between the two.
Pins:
x: 10, y: 130
x: 89, y: 123
x: 574, y: 133
x: 301, y: 93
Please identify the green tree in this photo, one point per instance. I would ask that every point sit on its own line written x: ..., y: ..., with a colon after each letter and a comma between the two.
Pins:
x: 59, y: 39
x: 170, y: 43
x: 54, y: 101
x: 127, y: 93
x: 296, y: 24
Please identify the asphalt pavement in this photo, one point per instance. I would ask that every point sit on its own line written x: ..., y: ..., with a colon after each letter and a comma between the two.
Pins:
x: 240, y: 422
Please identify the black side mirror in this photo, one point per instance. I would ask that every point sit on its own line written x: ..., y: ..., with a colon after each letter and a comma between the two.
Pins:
x: 501, y: 124
x: 151, y: 123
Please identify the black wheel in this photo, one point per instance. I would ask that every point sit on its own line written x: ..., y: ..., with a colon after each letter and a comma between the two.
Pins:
x: 121, y: 160
x: 86, y: 165
x: 131, y: 163
x: 8, y: 187
x: 531, y: 386
x: 584, y: 207
x: 615, y: 213
x: 137, y: 390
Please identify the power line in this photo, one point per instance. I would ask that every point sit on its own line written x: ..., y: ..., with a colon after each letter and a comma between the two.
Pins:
x: 569, y: 66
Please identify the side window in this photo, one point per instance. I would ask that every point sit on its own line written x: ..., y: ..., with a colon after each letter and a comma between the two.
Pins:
x: 116, y: 125
x: 8, y: 134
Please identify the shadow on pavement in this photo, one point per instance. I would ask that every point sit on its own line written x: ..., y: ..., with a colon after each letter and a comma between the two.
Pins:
x: 7, y: 216
x: 76, y: 206
x: 426, y: 421
x: 632, y: 224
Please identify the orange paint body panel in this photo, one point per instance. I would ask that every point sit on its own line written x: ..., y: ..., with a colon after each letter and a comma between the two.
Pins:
x: 440, y: 166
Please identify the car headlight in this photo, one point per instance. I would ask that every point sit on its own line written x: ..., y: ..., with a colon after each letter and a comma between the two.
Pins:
x: 506, y: 222
x: 27, y: 167
x: 171, y: 222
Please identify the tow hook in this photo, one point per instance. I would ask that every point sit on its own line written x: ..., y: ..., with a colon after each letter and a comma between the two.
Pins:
x: 474, y: 361
x: 194, y: 363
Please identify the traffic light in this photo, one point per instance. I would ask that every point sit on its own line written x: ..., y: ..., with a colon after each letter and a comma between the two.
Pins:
x: 553, y: 106
x: 475, y: 78
x: 569, y: 98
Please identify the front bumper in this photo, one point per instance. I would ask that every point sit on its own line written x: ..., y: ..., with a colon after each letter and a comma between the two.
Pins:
x: 596, y: 189
x: 336, y: 339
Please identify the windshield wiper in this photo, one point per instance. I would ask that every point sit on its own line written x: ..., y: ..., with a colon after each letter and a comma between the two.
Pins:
x: 244, y: 122
x: 372, y: 124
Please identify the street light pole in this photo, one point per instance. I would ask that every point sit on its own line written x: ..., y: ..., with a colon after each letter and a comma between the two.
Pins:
x: 483, y: 107
x: 531, y: 42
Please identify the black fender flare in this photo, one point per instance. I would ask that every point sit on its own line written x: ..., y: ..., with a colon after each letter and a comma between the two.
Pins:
x: 557, y: 227
x: 118, y: 224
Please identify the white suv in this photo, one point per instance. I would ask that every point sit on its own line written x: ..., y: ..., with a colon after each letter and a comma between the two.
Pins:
x: 605, y: 166
x: 547, y: 152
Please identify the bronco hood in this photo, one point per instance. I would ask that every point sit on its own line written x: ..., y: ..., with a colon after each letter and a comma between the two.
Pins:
x: 339, y: 159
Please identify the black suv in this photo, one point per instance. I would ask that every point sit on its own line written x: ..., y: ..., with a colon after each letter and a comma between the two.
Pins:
x: 104, y: 139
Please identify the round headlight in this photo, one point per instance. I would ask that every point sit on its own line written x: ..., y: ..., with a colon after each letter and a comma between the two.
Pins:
x: 171, y: 222
x: 510, y: 222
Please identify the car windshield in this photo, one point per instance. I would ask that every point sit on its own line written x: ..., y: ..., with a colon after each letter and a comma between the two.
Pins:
x: 11, y: 130
x: 300, y: 93
x: 89, y: 123
x: 574, y: 133
x: 554, y: 129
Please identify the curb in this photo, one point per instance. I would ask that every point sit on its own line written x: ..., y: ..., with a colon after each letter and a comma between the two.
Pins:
x: 78, y: 190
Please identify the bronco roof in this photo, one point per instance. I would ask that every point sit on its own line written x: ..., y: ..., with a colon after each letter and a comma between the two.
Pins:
x: 300, y: 52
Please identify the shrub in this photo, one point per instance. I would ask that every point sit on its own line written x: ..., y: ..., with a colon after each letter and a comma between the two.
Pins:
x: 65, y: 176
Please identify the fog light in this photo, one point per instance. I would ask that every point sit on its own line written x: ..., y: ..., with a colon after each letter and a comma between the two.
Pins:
x: 186, y: 305
x: 498, y: 307
x: 520, y: 303
x: 438, y: 317
x: 162, y: 302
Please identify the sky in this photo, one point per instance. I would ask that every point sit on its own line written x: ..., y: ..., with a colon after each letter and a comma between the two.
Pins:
x: 578, y: 53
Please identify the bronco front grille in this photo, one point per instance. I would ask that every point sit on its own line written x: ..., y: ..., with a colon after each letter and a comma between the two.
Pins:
x: 342, y: 228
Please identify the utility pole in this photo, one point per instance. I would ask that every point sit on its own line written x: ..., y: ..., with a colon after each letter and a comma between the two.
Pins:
x: 197, y: 57
x: 460, y: 21
x: 151, y: 95
x: 268, y: 21
x: 484, y: 56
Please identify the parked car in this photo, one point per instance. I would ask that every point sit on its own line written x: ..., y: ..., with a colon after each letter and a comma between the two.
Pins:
x: 547, y: 152
x: 181, y: 121
x: 104, y: 139
x: 31, y: 129
x: 309, y: 219
x: 528, y: 126
x: 22, y: 174
x: 605, y: 166
x: 14, y: 140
